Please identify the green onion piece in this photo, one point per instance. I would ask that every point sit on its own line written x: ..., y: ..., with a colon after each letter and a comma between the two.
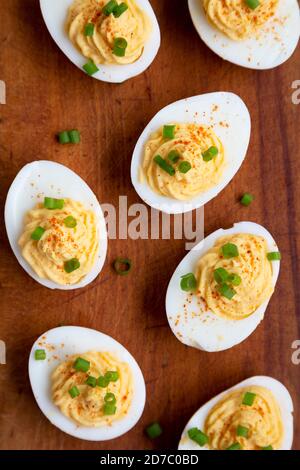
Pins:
x: 112, y: 376
x: 70, y: 221
x: 120, y: 9
x: 63, y: 137
x: 267, y: 448
x: 90, y: 68
x: 198, y: 436
x: 110, y: 399
x: 109, y: 409
x: 230, y: 250
x: 173, y: 156
x: 39, y: 354
x: 188, y: 282
x: 246, y: 199
x: 253, y: 4
x: 102, y: 381
x: 71, y: 265
x: 91, y: 381
x: 234, y: 279
x: 210, y: 153
x: 74, y: 135
x: 38, y: 233
x: 248, y: 399
x: 221, y: 275
x: 109, y: 7
x: 122, y: 266
x: 81, y: 365
x: 274, y: 256
x: 184, y: 167
x: 235, y: 446
x: 120, y: 45
x: 154, y: 430
x: 52, y: 203
x: 242, y: 431
x: 74, y: 392
x: 226, y: 291
x: 169, y: 132
x: 164, y: 165
x: 89, y: 29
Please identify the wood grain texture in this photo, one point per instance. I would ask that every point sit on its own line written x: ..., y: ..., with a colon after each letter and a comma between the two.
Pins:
x: 46, y: 93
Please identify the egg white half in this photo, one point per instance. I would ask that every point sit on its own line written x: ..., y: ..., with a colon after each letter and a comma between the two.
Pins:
x: 45, y: 178
x: 78, y: 340
x: 55, y: 13
x: 202, y: 329
x: 275, y: 43
x: 230, y: 119
x: 281, y: 394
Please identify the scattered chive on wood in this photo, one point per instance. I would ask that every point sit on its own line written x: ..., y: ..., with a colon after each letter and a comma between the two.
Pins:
x: 247, y: 199
x: 154, y: 430
x: 122, y: 266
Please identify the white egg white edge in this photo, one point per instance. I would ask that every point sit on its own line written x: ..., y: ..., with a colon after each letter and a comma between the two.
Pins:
x: 260, y: 53
x: 279, y: 391
x: 200, y: 110
x: 79, y: 340
x: 55, y: 13
x: 207, y: 331
x: 22, y: 197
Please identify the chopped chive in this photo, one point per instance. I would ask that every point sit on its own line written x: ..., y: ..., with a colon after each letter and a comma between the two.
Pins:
x: 169, y: 132
x: 109, y: 7
x: 91, y: 381
x: 230, y: 250
x: 120, y: 45
x: 70, y: 221
x: 52, y: 203
x: 267, y: 448
x: 74, y: 135
x: 71, y: 265
x: 154, y: 430
x: 89, y: 29
x: 248, y: 399
x: 40, y: 354
x: 184, y: 167
x: 90, y: 68
x: 210, y: 153
x: 226, y: 291
x: 164, y: 165
x: 234, y: 279
x: 188, y: 282
x: 63, y: 137
x: 122, y: 266
x: 120, y: 9
x: 235, y: 446
x: 110, y: 399
x: 74, y: 392
x: 102, y: 381
x: 173, y: 156
x: 274, y: 256
x: 198, y: 436
x: 38, y: 233
x: 246, y: 199
x: 221, y: 275
x: 109, y: 409
x: 81, y: 365
x: 253, y: 4
x: 112, y: 376
x: 242, y: 431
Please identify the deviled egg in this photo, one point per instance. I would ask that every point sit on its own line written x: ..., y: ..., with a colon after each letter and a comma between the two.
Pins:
x: 86, y: 383
x: 256, y: 414
x: 257, y: 34
x: 190, y: 151
x: 219, y: 293
x: 55, y: 226
x: 111, y: 40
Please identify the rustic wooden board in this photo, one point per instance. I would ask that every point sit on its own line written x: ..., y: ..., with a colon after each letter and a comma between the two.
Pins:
x: 47, y: 93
